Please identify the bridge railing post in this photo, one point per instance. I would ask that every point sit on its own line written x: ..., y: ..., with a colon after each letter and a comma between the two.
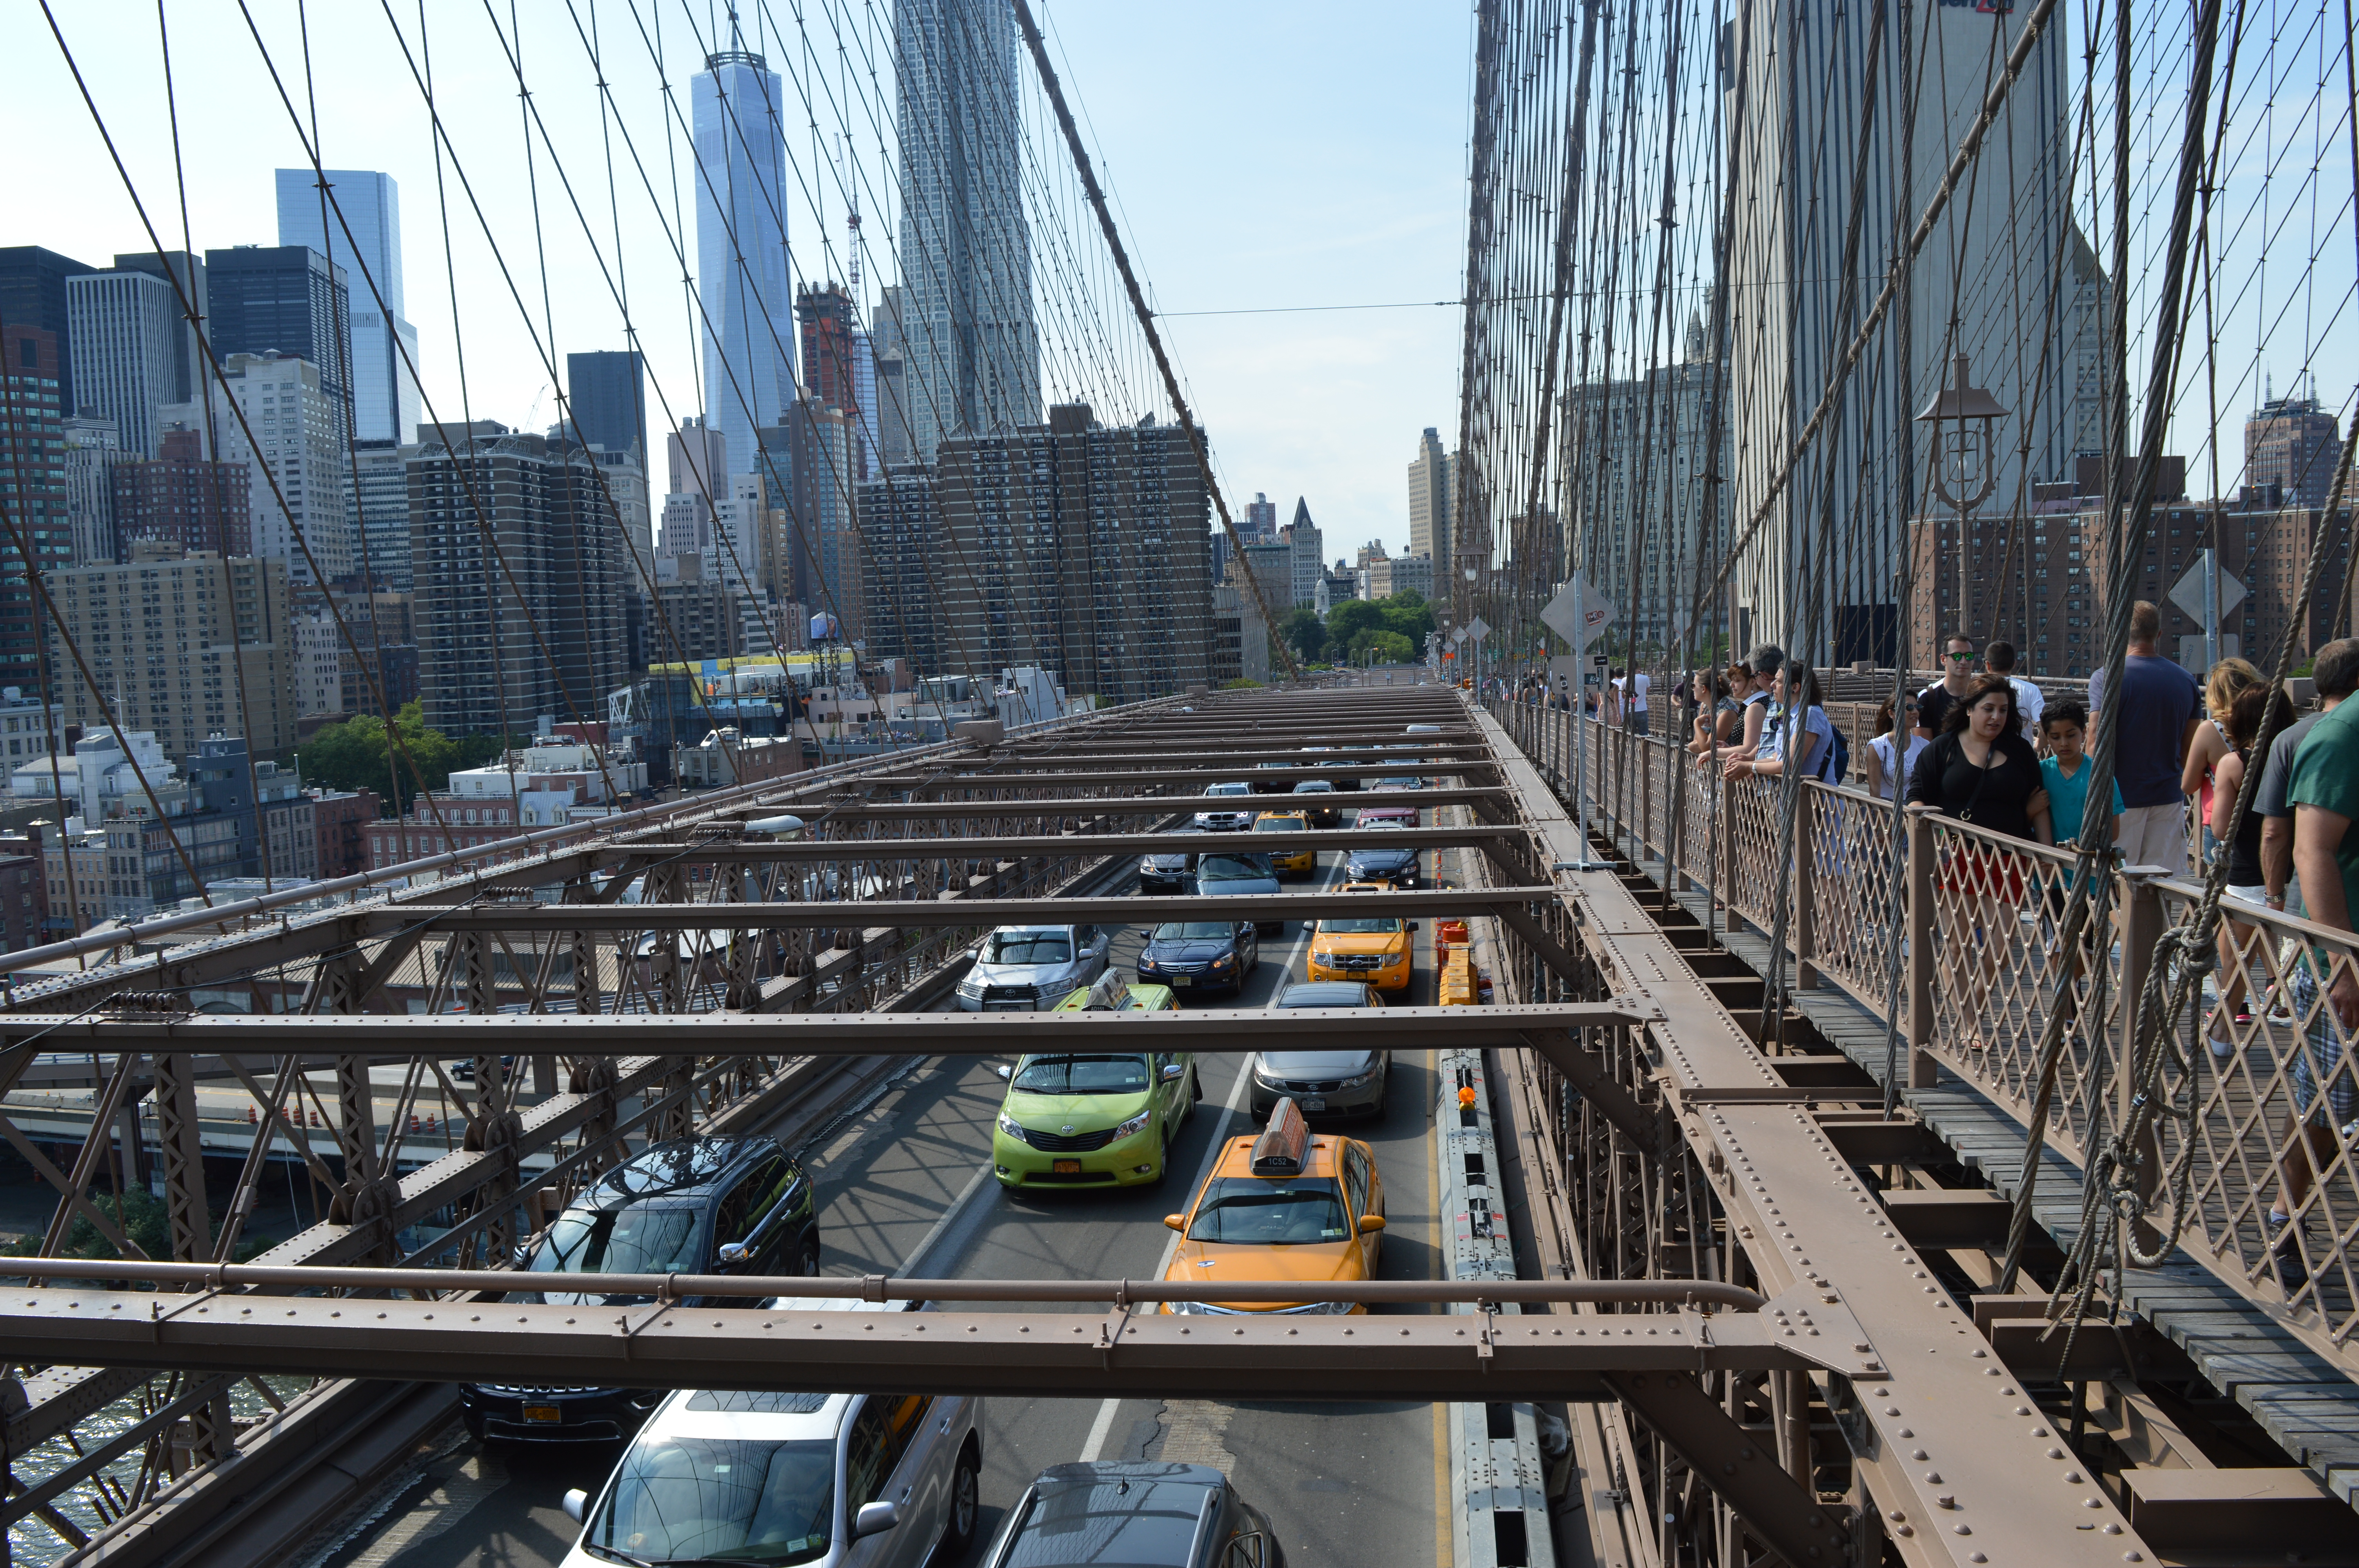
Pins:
x: 1806, y: 892
x: 1922, y: 1072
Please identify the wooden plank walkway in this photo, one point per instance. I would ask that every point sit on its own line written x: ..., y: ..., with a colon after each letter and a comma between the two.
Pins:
x: 2302, y: 1401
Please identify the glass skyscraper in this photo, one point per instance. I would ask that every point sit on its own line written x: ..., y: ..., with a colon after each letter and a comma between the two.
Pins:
x: 741, y: 249
x: 385, y: 398
x: 970, y: 349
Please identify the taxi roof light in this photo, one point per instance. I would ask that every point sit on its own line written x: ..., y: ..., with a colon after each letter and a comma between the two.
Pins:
x: 1109, y: 995
x: 1285, y: 1143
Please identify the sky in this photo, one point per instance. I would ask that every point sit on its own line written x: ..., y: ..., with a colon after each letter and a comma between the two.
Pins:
x: 1261, y: 158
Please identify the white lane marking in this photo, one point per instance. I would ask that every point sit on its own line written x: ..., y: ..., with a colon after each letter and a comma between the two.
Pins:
x: 1104, y: 1425
x: 958, y: 1206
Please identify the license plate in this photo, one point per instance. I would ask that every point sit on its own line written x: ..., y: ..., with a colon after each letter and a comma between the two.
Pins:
x: 1065, y: 1167
x: 1182, y: 981
x: 1314, y: 1104
x: 543, y: 1412
x: 1006, y: 1007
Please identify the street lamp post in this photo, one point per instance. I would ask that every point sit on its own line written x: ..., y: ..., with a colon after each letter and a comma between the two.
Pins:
x: 1965, y: 471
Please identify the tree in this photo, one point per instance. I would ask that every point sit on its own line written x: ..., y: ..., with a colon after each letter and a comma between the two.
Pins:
x: 1352, y: 617
x: 1384, y: 647
x: 353, y: 754
x: 1302, y: 632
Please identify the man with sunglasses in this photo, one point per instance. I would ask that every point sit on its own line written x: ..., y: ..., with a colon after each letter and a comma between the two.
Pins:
x: 1957, y: 678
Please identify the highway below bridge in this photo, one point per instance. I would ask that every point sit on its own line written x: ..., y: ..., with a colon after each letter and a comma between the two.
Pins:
x: 1663, y: 1278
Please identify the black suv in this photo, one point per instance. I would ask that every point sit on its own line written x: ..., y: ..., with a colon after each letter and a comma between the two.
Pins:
x: 1148, y: 1515
x: 694, y: 1205
x: 1382, y: 862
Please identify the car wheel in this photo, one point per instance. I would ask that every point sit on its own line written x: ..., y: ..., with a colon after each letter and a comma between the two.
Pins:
x: 807, y: 1257
x: 966, y: 1506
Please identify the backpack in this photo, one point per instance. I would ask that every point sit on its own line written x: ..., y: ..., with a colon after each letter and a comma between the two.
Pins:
x: 1835, y: 766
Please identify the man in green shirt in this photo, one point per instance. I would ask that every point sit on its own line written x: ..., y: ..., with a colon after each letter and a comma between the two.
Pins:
x: 2325, y: 796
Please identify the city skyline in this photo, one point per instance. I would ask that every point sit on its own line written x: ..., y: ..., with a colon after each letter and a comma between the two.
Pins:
x: 1359, y: 211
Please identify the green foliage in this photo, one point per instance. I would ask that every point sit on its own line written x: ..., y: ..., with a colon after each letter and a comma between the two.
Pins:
x: 1241, y: 684
x: 143, y: 1221
x: 1302, y: 632
x: 1385, y: 647
x: 353, y: 754
x: 1406, y: 619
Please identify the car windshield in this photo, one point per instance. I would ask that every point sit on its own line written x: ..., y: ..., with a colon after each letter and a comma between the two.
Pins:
x: 1369, y: 927
x: 637, y: 1238
x: 1254, y: 1212
x: 1278, y: 825
x: 1229, y: 868
x: 1313, y: 786
x: 1229, y: 789
x: 1194, y: 931
x: 685, y: 1498
x: 1081, y: 1074
x: 1029, y: 947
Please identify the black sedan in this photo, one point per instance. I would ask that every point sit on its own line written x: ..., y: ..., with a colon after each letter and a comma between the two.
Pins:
x: 1167, y: 871
x: 1382, y: 862
x: 1198, y: 957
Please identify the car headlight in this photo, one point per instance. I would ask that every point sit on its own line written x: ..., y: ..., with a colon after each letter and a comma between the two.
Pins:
x: 1133, y: 1127
x: 1363, y: 1080
x: 1192, y: 1309
x: 1145, y: 963
x: 1395, y: 960
x: 1325, y: 1309
x: 1224, y: 960
x: 1011, y: 1127
x: 1146, y: 864
x: 1318, y: 958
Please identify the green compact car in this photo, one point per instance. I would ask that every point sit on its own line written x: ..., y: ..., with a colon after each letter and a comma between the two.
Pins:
x: 1094, y: 1118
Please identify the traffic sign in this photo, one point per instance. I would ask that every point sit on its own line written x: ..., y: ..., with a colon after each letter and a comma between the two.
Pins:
x: 2188, y: 592
x: 1457, y: 636
x: 1578, y: 613
x: 1478, y: 628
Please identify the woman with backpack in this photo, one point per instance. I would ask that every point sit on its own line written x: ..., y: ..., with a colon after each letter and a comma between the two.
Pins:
x: 1982, y: 770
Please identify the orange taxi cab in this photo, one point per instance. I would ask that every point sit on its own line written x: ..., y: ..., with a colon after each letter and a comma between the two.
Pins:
x: 1288, y: 862
x: 1374, y: 949
x: 1286, y: 1205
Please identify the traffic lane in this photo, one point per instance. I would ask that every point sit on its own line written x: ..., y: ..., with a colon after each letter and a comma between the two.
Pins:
x: 1359, y: 1477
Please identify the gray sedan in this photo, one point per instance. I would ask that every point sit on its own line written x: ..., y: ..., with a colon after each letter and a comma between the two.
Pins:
x: 1333, y: 1081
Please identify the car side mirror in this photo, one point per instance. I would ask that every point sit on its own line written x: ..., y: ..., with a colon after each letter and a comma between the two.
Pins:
x: 1250, y: 1550
x: 1412, y: 925
x: 874, y: 1519
x: 577, y: 1505
x: 1004, y: 1070
x: 1371, y: 1223
x: 1173, y: 1072
x: 731, y: 1252
x: 1176, y: 1221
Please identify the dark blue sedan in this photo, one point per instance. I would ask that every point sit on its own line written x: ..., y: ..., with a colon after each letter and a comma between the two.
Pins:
x: 1198, y: 957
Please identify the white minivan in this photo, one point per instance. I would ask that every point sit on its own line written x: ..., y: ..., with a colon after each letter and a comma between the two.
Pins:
x: 834, y: 1480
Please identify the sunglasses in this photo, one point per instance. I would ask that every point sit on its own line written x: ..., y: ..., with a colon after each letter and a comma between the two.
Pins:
x: 1961, y: 659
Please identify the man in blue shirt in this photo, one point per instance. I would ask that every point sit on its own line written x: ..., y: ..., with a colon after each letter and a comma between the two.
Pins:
x: 2159, y: 706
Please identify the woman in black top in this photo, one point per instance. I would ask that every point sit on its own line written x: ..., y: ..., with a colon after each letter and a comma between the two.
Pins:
x: 2245, y: 882
x: 1980, y: 770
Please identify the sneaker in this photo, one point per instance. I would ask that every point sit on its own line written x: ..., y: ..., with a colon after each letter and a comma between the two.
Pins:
x: 2285, y: 1259
x: 2222, y: 1049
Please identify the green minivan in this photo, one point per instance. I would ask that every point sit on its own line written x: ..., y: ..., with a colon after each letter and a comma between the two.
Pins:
x: 1094, y: 1118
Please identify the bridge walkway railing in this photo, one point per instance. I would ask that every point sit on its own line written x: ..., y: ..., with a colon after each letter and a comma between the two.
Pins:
x: 2264, y: 1082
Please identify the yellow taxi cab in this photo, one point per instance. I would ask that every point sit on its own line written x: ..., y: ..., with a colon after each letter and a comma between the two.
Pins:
x: 1374, y: 949
x: 1288, y: 862
x: 1288, y: 1204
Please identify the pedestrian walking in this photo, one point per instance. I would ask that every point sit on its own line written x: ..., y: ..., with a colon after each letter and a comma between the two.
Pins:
x: 1893, y: 754
x: 1998, y: 659
x: 1980, y: 770
x: 2159, y: 709
x: 1957, y: 678
x: 2246, y: 884
x: 2335, y: 675
x: 2227, y: 680
x: 2324, y: 1083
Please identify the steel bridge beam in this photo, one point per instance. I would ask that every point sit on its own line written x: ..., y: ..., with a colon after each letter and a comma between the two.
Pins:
x: 399, y: 1036
x: 1009, y: 846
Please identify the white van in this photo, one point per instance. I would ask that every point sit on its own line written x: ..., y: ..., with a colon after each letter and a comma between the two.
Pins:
x: 855, y: 1480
